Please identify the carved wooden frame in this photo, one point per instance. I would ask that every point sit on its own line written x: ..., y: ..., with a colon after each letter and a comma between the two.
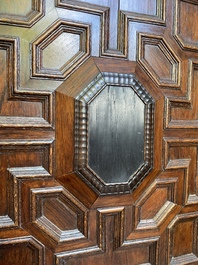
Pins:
x: 72, y: 121
x: 82, y: 123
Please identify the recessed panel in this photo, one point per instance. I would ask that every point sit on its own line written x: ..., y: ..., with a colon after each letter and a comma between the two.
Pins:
x: 9, y: 7
x: 155, y: 57
x: 61, y: 50
x: 63, y: 217
x: 189, y: 32
x: 148, y: 7
x: 116, y: 134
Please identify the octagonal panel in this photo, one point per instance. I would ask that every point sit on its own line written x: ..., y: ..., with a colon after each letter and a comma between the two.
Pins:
x: 116, y: 118
x: 108, y: 118
x: 113, y: 115
x: 51, y: 51
x: 158, y: 59
x: 68, y: 219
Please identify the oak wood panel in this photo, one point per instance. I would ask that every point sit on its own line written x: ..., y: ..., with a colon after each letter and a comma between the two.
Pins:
x: 49, y: 215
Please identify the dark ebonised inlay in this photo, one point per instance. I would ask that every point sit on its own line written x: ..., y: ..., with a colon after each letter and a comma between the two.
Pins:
x: 116, y: 134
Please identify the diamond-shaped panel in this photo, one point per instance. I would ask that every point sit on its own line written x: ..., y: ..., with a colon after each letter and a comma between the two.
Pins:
x: 51, y: 51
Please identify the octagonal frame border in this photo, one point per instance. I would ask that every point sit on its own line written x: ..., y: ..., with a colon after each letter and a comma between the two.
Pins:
x: 55, y: 30
x: 81, y: 132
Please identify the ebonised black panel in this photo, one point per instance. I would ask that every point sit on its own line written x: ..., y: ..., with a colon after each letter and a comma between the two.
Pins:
x: 116, y: 134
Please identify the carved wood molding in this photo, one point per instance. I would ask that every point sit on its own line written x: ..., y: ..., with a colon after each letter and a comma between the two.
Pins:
x: 13, y: 95
x: 80, y: 101
x: 27, y: 19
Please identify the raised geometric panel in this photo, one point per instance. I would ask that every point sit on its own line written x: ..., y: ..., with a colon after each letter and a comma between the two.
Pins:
x: 105, y: 217
x: 36, y: 110
x: 121, y: 92
x: 128, y: 135
x: 51, y: 51
x: 15, y: 178
x: 183, y: 248
x: 147, y: 7
x: 156, y: 203
x: 112, y: 248
x: 186, y: 25
x: 181, y: 112
x: 158, y: 60
x: 142, y: 252
x: 19, y: 153
x: 58, y: 214
x: 183, y: 155
x: 28, y: 13
x: 72, y: 221
x: 111, y: 44
x: 20, y: 251
x: 114, y: 17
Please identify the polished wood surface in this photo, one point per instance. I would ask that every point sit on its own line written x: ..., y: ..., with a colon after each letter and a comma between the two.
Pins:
x: 55, y: 209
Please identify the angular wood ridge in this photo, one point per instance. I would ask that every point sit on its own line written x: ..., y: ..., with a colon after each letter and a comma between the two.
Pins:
x: 181, y: 230
x: 105, y: 217
x: 20, y: 107
x: 24, y: 17
x: 181, y: 112
x: 22, y: 250
x: 62, y: 34
x: 154, y: 51
x: 186, y: 36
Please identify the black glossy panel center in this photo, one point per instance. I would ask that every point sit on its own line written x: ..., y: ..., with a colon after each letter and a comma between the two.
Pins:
x: 116, y: 134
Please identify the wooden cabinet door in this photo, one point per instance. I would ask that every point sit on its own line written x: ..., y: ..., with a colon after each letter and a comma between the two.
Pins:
x: 98, y: 132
